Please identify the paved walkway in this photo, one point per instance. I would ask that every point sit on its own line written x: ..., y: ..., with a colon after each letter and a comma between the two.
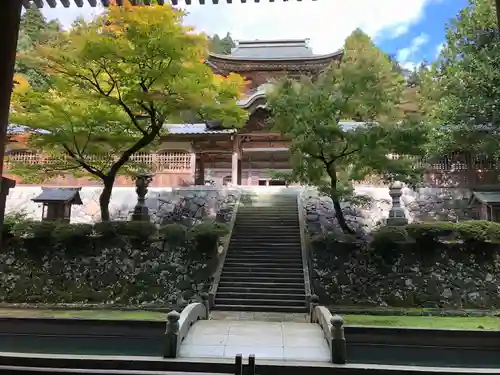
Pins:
x: 284, y: 341
x: 259, y: 316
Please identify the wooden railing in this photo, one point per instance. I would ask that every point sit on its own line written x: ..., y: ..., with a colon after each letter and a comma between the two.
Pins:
x: 171, y: 161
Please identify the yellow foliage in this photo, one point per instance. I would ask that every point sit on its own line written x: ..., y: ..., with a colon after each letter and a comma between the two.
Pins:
x: 21, y: 84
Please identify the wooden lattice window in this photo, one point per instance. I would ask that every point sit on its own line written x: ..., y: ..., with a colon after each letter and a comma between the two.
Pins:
x: 173, y: 161
x: 25, y: 157
x: 144, y: 158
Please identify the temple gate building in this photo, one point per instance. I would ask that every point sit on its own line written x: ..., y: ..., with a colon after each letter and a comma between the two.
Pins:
x: 207, y: 153
x: 199, y: 153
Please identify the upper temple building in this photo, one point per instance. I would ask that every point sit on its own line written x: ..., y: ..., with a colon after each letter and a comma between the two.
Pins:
x: 201, y: 153
x: 194, y: 154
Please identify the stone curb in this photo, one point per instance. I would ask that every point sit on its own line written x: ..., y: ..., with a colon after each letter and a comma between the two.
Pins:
x: 82, y: 307
x: 424, y: 312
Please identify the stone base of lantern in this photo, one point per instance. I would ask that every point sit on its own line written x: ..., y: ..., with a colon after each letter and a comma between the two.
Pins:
x: 397, y: 217
x: 140, y: 214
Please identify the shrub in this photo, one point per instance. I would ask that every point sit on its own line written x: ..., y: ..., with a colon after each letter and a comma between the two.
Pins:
x: 10, y: 221
x: 429, y: 234
x: 388, y: 241
x: 36, y: 237
x: 173, y: 234
x: 205, y: 236
x: 73, y: 237
x: 137, y: 230
x: 478, y: 231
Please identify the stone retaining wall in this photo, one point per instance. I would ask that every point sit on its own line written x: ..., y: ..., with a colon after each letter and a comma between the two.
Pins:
x: 426, y: 204
x: 199, y: 203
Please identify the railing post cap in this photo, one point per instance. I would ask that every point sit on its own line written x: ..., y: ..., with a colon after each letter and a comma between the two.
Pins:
x: 173, y: 316
x: 337, y: 320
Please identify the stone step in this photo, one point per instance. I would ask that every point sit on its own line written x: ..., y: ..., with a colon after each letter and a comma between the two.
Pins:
x: 267, y: 284
x: 259, y: 302
x: 272, y: 234
x: 258, y: 269
x: 265, y: 240
x: 268, y: 221
x: 257, y: 308
x: 259, y: 212
x: 279, y: 219
x: 233, y: 259
x: 298, y: 273
x: 266, y: 263
x: 271, y: 208
x: 259, y: 245
x: 264, y: 255
x: 260, y: 290
x: 262, y: 279
x: 267, y: 229
x: 243, y: 294
x: 269, y: 201
x: 240, y: 233
x: 265, y: 251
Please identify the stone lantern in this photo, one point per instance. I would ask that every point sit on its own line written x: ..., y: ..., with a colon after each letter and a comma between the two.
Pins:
x: 397, y: 216
x: 141, y: 212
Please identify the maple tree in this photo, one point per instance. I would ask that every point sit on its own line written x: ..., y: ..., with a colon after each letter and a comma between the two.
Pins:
x: 114, y: 84
x: 329, y: 155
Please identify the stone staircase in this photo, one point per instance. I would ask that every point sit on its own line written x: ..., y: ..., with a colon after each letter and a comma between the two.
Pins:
x: 263, y: 267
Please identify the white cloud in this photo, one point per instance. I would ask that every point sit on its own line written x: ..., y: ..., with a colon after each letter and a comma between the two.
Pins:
x: 326, y: 23
x: 406, y: 55
x: 439, y: 49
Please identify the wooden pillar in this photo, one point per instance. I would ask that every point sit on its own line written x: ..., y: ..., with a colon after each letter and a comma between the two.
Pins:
x: 199, y: 178
x: 193, y: 167
x: 234, y: 168
x: 238, y: 176
x: 10, y: 16
x: 498, y: 12
x: 236, y: 162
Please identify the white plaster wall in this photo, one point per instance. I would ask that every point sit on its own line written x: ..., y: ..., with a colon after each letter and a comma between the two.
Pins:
x: 424, y: 204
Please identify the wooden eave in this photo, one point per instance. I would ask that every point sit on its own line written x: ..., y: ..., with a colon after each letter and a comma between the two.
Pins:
x: 239, y: 64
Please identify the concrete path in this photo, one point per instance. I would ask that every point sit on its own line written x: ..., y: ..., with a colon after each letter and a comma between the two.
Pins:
x: 284, y: 341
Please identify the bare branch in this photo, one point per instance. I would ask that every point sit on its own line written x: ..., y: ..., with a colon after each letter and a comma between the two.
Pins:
x: 83, y: 164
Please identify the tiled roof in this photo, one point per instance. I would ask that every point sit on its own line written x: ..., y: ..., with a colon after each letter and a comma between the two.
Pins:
x: 66, y: 195
x: 487, y: 197
x: 94, y: 3
x: 180, y: 129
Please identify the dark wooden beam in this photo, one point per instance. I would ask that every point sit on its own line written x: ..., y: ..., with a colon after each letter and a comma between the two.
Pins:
x: 93, y: 3
x: 498, y: 12
x: 10, y: 18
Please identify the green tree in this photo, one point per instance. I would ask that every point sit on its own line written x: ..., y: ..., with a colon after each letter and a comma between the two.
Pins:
x: 34, y: 30
x: 222, y: 46
x: 115, y: 82
x: 467, y: 80
x: 329, y: 156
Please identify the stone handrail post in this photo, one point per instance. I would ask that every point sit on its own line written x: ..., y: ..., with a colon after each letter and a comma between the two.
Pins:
x: 172, y: 335
x: 206, y: 303
x: 238, y: 364
x: 312, y: 307
x: 251, y: 365
x: 338, y: 347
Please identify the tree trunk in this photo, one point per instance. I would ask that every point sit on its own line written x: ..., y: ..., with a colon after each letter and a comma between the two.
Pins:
x: 105, y: 197
x: 332, y: 173
x: 340, y: 215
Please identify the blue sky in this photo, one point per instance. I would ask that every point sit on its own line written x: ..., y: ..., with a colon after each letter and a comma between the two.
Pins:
x: 410, y: 29
x: 426, y: 35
